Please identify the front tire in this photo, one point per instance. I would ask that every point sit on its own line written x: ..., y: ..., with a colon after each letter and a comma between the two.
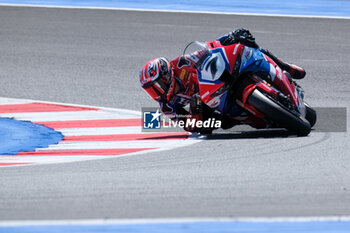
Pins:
x: 279, y: 114
x: 310, y: 115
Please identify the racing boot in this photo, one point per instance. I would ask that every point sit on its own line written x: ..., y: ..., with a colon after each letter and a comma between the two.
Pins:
x: 295, y: 71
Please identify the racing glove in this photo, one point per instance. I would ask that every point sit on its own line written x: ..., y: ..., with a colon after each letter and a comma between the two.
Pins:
x: 242, y: 36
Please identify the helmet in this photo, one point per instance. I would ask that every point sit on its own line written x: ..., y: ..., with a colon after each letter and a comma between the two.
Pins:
x: 157, y: 79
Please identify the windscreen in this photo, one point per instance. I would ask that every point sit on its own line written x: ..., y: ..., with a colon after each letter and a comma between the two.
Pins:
x: 197, y: 52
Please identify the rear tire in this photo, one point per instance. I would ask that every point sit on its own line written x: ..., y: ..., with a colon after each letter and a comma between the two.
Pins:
x: 279, y: 114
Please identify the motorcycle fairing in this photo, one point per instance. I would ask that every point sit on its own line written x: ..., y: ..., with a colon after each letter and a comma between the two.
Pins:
x: 247, y: 60
x: 213, y: 67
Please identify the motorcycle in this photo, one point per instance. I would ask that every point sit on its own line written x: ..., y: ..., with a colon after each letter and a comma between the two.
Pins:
x: 260, y: 101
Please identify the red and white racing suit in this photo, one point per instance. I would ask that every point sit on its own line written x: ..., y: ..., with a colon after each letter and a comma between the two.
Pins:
x: 177, y: 108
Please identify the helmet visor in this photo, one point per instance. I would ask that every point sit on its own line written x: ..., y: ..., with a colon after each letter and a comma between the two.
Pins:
x: 157, y: 89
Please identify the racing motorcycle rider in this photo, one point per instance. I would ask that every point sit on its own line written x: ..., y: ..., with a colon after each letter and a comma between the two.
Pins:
x: 173, y: 84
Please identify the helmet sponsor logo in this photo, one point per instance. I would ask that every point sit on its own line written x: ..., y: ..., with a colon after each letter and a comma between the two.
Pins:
x: 153, y: 70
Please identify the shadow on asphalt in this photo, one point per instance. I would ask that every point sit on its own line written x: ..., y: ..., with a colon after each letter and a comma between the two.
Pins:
x: 268, y: 133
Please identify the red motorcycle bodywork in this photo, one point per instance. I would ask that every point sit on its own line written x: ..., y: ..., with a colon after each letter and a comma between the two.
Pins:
x: 280, y: 84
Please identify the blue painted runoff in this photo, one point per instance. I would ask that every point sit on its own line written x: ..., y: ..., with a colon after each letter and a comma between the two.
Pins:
x: 338, y: 8
x: 22, y: 136
x: 190, y: 227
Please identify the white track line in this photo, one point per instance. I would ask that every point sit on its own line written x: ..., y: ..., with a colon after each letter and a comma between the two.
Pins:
x: 101, y: 131
x: 54, y: 160
x: 69, y: 116
x: 48, y: 159
x: 4, y: 100
x: 178, y: 11
x: 96, y: 145
x: 107, y: 131
x: 176, y: 220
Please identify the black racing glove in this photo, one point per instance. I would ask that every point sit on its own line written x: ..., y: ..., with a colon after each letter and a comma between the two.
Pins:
x: 242, y: 36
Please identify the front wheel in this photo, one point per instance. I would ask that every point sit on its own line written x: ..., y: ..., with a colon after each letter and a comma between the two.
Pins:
x: 278, y: 114
x: 311, y: 115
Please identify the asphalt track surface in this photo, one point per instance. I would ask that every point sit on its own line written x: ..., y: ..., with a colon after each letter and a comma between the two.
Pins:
x: 93, y: 57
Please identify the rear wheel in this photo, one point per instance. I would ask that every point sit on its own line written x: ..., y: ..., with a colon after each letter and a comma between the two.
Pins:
x: 279, y: 114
